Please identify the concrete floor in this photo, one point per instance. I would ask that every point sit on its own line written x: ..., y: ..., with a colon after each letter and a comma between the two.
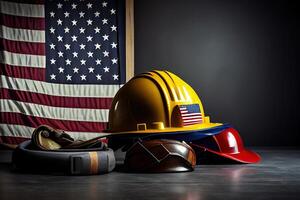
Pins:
x: 276, y: 177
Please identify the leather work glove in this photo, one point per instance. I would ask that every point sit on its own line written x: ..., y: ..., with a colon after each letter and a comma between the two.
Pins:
x: 47, y: 138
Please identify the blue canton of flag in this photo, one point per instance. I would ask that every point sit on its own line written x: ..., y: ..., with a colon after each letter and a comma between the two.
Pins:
x: 82, y: 42
x: 190, y: 114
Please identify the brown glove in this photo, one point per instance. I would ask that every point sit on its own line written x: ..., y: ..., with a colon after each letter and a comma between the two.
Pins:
x: 47, y: 138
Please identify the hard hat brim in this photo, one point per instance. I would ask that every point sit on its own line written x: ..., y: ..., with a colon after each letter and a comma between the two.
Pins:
x: 182, y: 135
x: 244, y: 156
x: 197, y: 127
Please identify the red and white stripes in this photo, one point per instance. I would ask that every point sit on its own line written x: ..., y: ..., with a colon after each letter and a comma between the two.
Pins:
x: 188, y: 117
x: 26, y: 99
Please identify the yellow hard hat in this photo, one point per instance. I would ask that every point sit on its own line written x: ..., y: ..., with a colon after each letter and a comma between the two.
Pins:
x: 157, y: 102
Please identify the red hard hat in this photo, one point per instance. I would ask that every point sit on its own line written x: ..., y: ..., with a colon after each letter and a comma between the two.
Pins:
x: 227, y: 144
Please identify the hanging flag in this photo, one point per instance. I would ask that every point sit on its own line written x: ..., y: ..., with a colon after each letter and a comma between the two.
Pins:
x: 61, y: 64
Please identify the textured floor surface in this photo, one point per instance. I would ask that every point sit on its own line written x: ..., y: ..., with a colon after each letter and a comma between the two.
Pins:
x: 276, y: 177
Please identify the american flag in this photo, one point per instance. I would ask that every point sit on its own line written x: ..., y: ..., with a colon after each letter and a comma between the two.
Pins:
x: 61, y: 64
x: 190, y: 114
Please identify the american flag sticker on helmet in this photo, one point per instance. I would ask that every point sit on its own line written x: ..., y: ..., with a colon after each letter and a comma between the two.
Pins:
x: 190, y: 114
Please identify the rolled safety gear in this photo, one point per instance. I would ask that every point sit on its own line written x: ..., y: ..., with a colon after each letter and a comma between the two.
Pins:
x: 226, y: 146
x: 160, y: 156
x: 54, y: 151
x: 71, y: 161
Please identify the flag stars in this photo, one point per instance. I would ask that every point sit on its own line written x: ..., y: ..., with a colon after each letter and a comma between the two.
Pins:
x: 97, y: 46
x: 89, y: 22
x: 74, y: 38
x: 68, y: 62
x: 82, y: 46
x: 75, y: 70
x: 52, y: 61
x: 104, y: 21
x: 97, y: 30
x: 81, y: 14
x: 98, y: 76
x: 90, y: 54
x: 106, y: 69
x: 112, y: 12
x: 113, y: 28
x: 113, y: 45
x: 74, y: 22
x: 67, y: 46
x: 115, y: 76
x: 59, y: 5
x: 59, y: 38
x: 61, y: 70
x: 67, y: 30
x: 105, y: 37
x: 59, y: 22
x: 82, y: 62
x: 69, y: 77
x: 75, y: 54
x: 114, y: 61
x: 83, y: 77
x: 98, y: 62
x: 53, y: 76
x: 68, y: 22
x: 60, y: 54
x: 89, y: 5
x: 105, y: 53
x: 89, y: 38
x: 52, y: 30
x: 74, y: 6
x: 91, y: 69
x: 67, y: 14
x: 81, y: 30
x: 52, y: 46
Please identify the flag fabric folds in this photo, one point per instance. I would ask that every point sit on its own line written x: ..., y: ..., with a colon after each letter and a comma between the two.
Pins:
x: 61, y: 64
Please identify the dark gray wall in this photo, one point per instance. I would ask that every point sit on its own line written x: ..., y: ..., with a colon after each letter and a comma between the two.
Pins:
x: 240, y: 56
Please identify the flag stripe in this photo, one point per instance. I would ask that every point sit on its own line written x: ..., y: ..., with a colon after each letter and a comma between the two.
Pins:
x: 23, y: 72
x: 58, y: 89
x: 56, y: 101
x: 192, y: 114
x: 29, y: 1
x: 22, y: 22
x: 24, y: 35
x: 22, y: 47
x: 93, y: 115
x: 22, y: 59
x: 12, y: 139
x: 22, y: 9
x: 26, y: 131
x: 192, y: 117
x: 190, y: 123
x: 75, y: 126
x: 192, y: 120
